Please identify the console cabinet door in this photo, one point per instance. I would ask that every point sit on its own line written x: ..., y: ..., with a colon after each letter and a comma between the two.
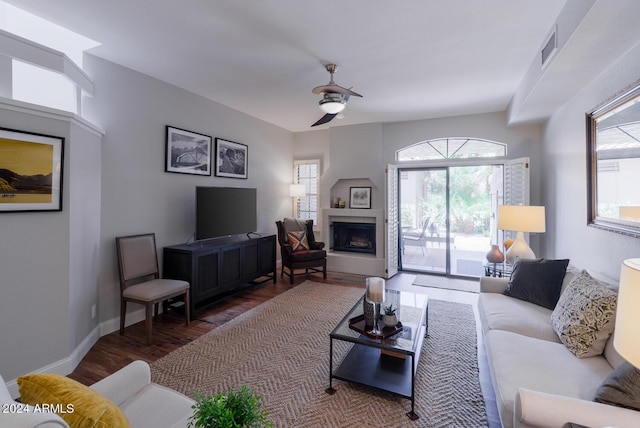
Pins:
x: 207, y: 284
x: 267, y: 256
x: 250, y: 261
x: 230, y: 264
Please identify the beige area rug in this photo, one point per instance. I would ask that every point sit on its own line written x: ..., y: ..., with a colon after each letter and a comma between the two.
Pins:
x: 471, y: 286
x: 281, y: 350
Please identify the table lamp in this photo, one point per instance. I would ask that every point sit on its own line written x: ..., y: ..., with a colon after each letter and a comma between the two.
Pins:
x: 628, y: 316
x: 375, y: 295
x: 520, y: 218
x: 629, y: 212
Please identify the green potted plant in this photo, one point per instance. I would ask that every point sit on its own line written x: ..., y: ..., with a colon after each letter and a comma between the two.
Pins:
x: 233, y: 409
x: 390, y: 318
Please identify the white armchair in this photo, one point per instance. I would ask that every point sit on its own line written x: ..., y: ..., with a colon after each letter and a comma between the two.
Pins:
x: 145, y: 404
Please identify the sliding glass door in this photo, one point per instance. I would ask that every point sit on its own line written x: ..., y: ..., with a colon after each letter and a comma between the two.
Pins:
x: 446, y: 216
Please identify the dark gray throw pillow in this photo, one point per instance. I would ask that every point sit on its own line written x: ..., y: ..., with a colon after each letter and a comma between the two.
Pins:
x: 537, y: 281
x: 621, y: 388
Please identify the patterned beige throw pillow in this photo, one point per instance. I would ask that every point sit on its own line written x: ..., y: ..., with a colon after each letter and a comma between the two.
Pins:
x: 584, y: 317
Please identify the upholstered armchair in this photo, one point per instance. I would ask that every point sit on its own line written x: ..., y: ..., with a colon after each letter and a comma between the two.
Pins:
x: 299, y: 248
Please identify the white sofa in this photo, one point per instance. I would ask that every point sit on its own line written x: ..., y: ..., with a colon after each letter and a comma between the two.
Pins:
x: 144, y: 403
x: 538, y: 382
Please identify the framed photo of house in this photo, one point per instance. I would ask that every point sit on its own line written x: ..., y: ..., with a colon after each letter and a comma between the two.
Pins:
x: 187, y: 152
x: 360, y: 197
x: 31, y: 169
x: 231, y: 159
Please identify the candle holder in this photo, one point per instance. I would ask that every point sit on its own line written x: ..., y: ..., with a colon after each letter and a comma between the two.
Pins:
x: 375, y: 295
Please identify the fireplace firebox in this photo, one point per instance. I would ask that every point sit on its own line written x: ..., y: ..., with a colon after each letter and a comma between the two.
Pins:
x: 354, y: 237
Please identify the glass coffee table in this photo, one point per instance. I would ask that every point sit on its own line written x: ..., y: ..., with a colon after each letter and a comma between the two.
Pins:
x: 389, y: 363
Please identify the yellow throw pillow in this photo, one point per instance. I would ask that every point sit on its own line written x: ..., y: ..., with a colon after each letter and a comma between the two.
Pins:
x: 77, y: 404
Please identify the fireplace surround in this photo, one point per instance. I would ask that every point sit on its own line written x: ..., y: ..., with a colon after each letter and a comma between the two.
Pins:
x: 354, y: 237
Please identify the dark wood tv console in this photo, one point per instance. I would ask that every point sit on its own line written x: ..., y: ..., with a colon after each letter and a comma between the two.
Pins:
x: 219, y: 267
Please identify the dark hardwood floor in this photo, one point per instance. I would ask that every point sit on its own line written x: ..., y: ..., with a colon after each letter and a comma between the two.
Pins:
x: 112, y: 351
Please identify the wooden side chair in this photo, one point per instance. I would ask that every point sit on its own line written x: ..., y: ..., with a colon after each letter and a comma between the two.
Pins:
x: 140, y: 279
x: 300, y: 250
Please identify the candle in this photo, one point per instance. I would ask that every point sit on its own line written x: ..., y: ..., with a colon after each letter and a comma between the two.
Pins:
x: 375, y: 289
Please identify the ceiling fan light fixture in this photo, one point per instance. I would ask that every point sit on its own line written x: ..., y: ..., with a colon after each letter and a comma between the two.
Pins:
x: 332, y: 105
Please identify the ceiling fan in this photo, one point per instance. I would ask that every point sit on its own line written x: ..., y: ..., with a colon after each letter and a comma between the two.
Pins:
x: 334, y: 97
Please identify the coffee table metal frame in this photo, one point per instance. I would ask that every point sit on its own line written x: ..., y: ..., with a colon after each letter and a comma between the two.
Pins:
x: 365, y: 363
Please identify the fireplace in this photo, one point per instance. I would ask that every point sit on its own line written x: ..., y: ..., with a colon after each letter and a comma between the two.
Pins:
x: 354, y: 237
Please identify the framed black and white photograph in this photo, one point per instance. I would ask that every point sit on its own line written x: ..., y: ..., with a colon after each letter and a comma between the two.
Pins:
x: 231, y: 159
x: 31, y: 170
x: 360, y: 197
x: 188, y: 152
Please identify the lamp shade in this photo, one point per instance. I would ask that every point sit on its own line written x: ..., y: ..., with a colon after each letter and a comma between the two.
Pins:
x: 628, y: 314
x: 629, y: 212
x: 297, y: 190
x: 521, y: 218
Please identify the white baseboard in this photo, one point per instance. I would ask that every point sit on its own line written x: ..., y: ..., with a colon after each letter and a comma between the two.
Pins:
x: 65, y: 365
x: 109, y: 326
x: 68, y: 364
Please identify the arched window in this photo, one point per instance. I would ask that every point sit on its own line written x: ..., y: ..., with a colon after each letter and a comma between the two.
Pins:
x: 452, y: 148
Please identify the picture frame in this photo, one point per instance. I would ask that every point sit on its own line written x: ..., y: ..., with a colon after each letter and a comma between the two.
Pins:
x: 31, y: 171
x: 187, y: 152
x: 231, y: 159
x: 360, y: 197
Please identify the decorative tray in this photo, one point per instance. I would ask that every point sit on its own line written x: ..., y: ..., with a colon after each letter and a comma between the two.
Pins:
x: 358, y: 324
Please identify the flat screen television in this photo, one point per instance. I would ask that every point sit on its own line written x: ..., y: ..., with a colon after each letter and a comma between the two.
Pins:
x: 224, y: 211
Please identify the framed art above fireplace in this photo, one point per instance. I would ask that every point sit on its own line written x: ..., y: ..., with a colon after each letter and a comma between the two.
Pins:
x: 360, y: 197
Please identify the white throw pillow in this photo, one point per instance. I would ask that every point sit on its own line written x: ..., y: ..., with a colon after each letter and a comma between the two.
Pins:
x: 584, y: 317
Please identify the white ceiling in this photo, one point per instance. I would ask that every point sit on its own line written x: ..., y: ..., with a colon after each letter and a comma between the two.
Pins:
x: 411, y: 59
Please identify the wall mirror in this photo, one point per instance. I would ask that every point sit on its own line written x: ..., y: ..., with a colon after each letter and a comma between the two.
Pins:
x: 613, y: 163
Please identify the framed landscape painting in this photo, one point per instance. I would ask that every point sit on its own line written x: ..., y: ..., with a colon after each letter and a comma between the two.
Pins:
x: 31, y: 167
x: 360, y: 197
x: 231, y: 159
x: 188, y: 152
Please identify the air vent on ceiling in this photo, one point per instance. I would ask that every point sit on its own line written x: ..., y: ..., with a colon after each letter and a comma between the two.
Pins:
x: 549, y: 48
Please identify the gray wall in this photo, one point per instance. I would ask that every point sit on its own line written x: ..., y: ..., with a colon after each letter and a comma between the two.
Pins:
x: 564, y: 183
x: 363, y: 150
x: 138, y: 196
x: 48, y: 260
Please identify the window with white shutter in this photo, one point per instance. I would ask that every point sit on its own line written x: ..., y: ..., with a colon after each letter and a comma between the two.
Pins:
x: 307, y: 172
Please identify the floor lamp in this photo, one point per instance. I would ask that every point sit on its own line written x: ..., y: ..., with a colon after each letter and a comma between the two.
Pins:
x: 627, y: 316
x: 296, y: 191
x: 520, y: 218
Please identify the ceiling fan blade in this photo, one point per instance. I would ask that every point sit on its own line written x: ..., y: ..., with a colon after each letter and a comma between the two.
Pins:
x: 334, y: 89
x: 324, y: 119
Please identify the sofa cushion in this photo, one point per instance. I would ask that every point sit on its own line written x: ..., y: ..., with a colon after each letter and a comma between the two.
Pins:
x: 500, y: 312
x: 585, y: 315
x: 518, y: 361
x: 298, y: 240
x: 537, y: 281
x: 77, y: 404
x: 621, y: 388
